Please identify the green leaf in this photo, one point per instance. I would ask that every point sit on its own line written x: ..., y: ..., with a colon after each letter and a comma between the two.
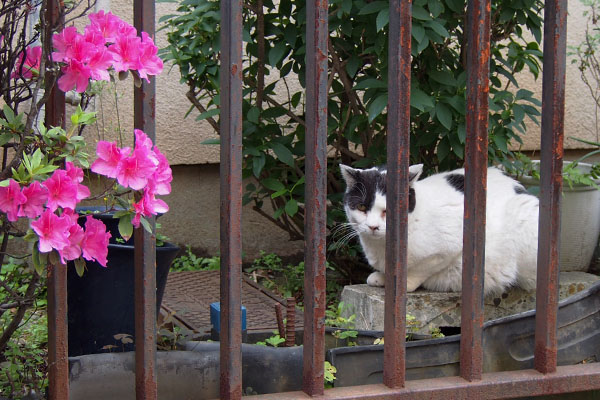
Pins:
x: 253, y: 115
x: 211, y: 141
x: 443, y: 77
x: 419, y: 12
x: 443, y: 149
x: 125, y: 227
x: 272, y: 184
x: 383, y: 18
x: 370, y: 83
x: 277, y: 53
x: 291, y: 207
x: 283, y: 153
x: 437, y: 28
x: 278, y: 212
x: 418, y: 32
x: 444, y: 115
x: 290, y: 34
x: 436, y: 7
x: 257, y: 165
x: 373, y: 7
x: 146, y: 225
x: 35, y: 258
x: 354, y: 63
x: 80, y: 266
x: 420, y: 100
x: 278, y: 193
x: 208, y: 114
x: 377, y: 106
x: 296, y: 97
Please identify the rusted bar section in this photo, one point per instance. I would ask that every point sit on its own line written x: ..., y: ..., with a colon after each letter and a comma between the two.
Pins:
x: 290, y: 326
x: 279, y: 318
x: 145, y: 242
x: 553, y: 108
x: 231, y: 199
x: 58, y: 362
x: 316, y: 195
x: 499, y: 385
x: 397, y: 190
x: 478, y: 54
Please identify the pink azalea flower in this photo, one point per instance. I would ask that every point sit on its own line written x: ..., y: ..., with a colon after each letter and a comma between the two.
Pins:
x: 142, y: 141
x: 64, y: 42
x: 148, y: 62
x: 36, y: 196
x: 127, y: 30
x: 95, y: 241
x: 107, y: 24
x: 11, y: 199
x: 52, y: 230
x: 135, y: 170
x: 94, y: 36
x: 75, y: 75
x: 148, y: 205
x: 99, y: 64
x: 163, y: 175
x: 72, y: 250
x: 109, y: 157
x: 76, y: 175
x: 126, y: 52
x: 31, y: 65
x: 62, y: 190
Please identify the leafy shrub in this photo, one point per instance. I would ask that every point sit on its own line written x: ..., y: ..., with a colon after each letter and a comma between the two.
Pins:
x: 274, y: 57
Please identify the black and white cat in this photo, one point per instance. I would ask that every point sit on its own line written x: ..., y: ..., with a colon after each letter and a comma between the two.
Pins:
x: 435, y: 228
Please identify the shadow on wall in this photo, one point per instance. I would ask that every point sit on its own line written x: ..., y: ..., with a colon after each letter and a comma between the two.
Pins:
x: 193, y: 217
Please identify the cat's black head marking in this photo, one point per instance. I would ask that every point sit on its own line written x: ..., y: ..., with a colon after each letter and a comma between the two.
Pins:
x: 364, y: 184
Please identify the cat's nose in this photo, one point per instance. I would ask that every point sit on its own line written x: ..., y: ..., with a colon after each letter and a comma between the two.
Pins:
x: 373, y: 228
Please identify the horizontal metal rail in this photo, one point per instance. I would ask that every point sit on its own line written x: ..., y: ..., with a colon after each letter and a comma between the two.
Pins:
x: 498, y: 385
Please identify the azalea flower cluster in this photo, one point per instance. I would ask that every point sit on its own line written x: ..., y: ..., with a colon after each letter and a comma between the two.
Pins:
x: 28, y: 62
x: 61, y: 192
x: 145, y: 168
x: 108, y: 42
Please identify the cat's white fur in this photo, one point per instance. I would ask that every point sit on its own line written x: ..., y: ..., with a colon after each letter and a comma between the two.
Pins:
x: 435, y: 234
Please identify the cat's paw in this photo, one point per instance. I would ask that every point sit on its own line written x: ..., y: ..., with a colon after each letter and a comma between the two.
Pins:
x: 376, y: 279
x: 412, y: 285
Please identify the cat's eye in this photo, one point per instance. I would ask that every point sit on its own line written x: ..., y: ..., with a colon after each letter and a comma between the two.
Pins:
x: 361, y: 207
x: 383, y: 213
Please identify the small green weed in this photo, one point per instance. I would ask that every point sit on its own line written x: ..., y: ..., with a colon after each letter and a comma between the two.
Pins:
x: 190, y: 262
x: 273, y: 341
x: 330, y: 372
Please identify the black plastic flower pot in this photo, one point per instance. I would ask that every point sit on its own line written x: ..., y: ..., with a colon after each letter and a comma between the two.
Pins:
x: 101, y: 302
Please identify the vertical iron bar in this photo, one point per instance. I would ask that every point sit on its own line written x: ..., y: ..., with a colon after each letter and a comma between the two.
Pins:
x: 553, y: 104
x: 231, y: 199
x: 397, y: 189
x: 316, y: 195
x: 290, y: 326
x: 478, y: 54
x: 58, y: 362
x: 145, y: 242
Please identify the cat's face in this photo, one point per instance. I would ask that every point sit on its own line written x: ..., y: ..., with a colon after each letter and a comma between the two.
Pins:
x: 365, y: 198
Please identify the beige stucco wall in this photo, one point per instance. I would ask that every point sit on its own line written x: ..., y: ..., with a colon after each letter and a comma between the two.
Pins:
x: 194, y: 202
x: 579, y: 106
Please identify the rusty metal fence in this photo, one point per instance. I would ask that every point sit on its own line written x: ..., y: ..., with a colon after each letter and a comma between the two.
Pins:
x: 472, y: 383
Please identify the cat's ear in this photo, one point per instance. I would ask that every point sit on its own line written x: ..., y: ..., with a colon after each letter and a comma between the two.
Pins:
x: 349, y: 174
x: 414, y: 172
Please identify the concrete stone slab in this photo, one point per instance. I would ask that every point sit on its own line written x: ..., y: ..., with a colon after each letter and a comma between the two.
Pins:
x: 436, y: 309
